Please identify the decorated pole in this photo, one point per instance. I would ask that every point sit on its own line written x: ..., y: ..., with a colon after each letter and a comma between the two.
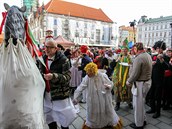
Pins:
x: 132, y: 24
x: 171, y: 34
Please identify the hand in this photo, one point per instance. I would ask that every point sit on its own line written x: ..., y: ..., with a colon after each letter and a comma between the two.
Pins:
x: 75, y: 102
x: 48, y: 76
x: 160, y: 57
x: 153, y: 62
x: 128, y: 84
x: 107, y: 86
x: 170, y: 62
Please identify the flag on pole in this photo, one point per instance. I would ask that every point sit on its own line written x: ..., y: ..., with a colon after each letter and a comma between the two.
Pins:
x: 32, y: 44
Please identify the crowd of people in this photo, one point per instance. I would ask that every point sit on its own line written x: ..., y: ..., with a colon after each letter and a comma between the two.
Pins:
x: 31, y: 92
x: 137, y: 76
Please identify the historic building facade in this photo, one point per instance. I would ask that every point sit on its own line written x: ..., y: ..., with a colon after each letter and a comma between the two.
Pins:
x: 154, y: 29
x: 31, y: 5
x: 77, y: 23
x: 127, y: 32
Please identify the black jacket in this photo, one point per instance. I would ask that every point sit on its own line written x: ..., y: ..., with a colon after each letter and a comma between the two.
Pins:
x: 59, y: 85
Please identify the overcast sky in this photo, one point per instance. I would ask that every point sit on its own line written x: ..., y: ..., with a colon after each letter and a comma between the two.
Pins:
x: 120, y: 11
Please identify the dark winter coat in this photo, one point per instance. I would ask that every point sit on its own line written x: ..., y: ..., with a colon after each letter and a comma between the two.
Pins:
x: 59, y: 85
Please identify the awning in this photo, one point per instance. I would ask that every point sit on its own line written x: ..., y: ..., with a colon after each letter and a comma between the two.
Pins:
x: 62, y: 41
x: 97, y: 45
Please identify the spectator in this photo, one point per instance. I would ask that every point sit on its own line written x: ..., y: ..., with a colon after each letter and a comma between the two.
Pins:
x: 141, y: 78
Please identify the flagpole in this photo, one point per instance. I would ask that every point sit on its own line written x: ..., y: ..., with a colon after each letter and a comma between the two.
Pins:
x: 132, y: 24
x: 171, y: 34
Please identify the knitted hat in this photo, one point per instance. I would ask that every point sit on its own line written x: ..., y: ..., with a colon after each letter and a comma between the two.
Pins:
x: 83, y: 49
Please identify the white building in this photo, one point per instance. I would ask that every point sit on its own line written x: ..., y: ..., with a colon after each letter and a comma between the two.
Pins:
x: 77, y: 23
x: 154, y: 29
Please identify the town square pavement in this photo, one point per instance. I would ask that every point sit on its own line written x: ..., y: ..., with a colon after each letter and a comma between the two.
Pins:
x: 126, y: 114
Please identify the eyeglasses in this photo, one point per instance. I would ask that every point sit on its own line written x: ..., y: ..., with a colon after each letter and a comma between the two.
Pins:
x: 49, y: 47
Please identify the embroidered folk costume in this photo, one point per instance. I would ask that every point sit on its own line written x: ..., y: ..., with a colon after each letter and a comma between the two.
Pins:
x: 120, y: 76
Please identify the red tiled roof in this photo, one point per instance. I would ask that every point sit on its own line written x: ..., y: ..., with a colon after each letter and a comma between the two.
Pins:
x: 76, y: 10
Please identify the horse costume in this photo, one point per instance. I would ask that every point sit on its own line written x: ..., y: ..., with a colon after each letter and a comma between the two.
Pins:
x: 21, y: 84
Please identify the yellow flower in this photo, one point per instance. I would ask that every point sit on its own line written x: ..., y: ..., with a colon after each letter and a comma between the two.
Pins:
x: 91, y: 68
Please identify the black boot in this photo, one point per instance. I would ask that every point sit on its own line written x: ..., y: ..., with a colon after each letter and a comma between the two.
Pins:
x: 150, y: 111
x: 52, y: 125
x: 117, y: 106
x: 156, y: 115
x: 64, y: 127
x: 130, y: 105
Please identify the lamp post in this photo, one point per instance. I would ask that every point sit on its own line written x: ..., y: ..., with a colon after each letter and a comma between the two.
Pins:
x: 132, y: 24
x: 171, y: 34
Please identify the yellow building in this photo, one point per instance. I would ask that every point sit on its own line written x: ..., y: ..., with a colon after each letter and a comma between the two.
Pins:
x: 127, y: 32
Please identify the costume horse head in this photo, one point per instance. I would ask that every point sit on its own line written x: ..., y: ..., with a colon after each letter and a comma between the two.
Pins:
x: 21, y: 78
x: 15, y: 24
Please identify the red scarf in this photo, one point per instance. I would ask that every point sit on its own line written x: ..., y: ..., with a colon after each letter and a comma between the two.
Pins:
x: 4, y: 15
x: 46, y: 72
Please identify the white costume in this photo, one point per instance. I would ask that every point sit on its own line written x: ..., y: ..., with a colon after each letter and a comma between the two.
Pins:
x: 21, y: 89
x: 100, y: 111
x: 139, y: 94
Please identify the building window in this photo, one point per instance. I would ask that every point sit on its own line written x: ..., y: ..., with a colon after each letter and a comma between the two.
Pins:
x: 92, y: 26
x: 97, y: 36
x: 103, y: 37
x: 157, y: 27
x: 160, y: 33
x: 92, y: 35
x: 77, y: 24
x: 85, y: 35
x: 85, y: 25
x: 149, y: 28
x: 165, y: 26
x: 161, y: 26
x: 165, y: 34
x: 76, y: 34
x: 55, y: 33
x: 145, y: 35
x: 157, y: 34
x: 153, y: 28
x: 145, y: 28
x: 55, y: 21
